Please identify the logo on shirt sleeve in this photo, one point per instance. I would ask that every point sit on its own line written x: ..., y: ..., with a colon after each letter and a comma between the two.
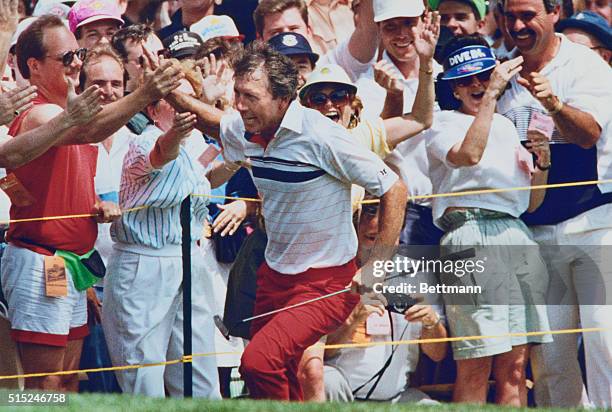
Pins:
x: 384, y: 172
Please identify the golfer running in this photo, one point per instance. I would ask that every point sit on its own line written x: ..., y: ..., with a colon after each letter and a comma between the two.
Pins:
x: 303, y: 165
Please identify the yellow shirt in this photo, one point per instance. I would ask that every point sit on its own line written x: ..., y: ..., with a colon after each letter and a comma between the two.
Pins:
x: 373, y: 136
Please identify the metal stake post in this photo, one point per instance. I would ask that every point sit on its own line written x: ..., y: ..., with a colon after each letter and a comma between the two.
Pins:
x: 186, y: 249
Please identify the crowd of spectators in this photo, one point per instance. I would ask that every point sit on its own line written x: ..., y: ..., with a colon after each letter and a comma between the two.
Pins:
x: 310, y: 135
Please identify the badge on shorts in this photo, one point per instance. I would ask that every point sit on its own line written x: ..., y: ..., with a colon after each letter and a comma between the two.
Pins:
x: 18, y: 194
x: 56, y: 284
x: 377, y: 325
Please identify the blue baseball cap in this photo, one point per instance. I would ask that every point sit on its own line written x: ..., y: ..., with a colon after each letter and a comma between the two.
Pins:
x: 591, y: 23
x: 291, y: 44
x: 468, y: 61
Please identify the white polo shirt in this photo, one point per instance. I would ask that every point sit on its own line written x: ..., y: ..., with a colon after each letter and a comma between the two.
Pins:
x: 304, y: 177
x: 499, y: 167
x: 110, y: 164
x: 581, y: 79
x: 342, y: 56
x: 107, y: 182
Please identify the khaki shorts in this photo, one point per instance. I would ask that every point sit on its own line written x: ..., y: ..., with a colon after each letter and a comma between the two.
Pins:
x: 514, y: 268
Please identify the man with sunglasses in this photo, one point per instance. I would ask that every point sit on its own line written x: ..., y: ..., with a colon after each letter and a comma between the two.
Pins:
x: 564, y: 82
x: 49, y: 325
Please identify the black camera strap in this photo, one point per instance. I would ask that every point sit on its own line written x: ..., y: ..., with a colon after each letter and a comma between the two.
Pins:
x: 378, y: 375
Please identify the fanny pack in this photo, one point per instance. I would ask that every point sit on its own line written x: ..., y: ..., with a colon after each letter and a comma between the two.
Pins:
x: 86, y: 270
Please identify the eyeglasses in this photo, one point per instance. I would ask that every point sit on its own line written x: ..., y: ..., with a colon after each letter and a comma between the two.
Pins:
x: 68, y: 57
x: 337, y: 97
x: 467, y: 81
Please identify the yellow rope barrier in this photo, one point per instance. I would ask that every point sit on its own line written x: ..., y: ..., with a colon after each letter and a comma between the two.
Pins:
x: 338, y: 346
x: 371, y: 201
x: 462, y: 338
x: 45, y: 218
x: 454, y: 194
x: 246, y: 199
x: 185, y: 359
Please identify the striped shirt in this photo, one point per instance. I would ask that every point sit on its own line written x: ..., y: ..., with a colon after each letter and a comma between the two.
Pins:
x: 304, y: 177
x: 162, y: 190
x: 578, y: 76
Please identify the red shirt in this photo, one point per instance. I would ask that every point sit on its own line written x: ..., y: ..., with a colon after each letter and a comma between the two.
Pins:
x: 61, y: 181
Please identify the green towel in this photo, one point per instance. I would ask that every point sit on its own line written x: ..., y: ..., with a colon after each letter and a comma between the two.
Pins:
x: 81, y: 276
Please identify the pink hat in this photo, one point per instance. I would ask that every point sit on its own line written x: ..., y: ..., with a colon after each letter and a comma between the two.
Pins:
x: 88, y: 11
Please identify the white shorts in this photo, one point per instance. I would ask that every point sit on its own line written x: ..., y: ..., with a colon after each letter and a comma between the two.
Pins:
x: 36, y: 318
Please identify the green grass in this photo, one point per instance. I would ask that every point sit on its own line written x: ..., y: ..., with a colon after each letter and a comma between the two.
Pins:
x: 96, y: 402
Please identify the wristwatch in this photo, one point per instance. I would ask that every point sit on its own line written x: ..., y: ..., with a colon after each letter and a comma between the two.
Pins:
x: 558, y: 106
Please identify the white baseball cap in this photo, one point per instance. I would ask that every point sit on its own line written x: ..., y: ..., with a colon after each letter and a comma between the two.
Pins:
x: 390, y: 9
x: 213, y: 26
x: 327, y: 73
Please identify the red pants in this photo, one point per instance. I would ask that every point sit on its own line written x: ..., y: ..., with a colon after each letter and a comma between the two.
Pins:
x: 270, y: 361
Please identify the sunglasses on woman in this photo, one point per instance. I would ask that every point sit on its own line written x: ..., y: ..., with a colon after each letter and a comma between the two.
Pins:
x: 68, y: 57
x: 467, y: 81
x: 337, y: 97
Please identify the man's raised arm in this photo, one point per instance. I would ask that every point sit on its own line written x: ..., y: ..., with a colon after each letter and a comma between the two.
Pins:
x: 363, y: 43
x: 27, y: 146
x: 113, y: 116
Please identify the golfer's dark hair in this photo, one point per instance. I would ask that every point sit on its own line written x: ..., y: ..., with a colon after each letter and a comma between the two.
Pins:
x: 281, y: 72
x: 31, y: 42
x: 444, y: 88
x: 549, y: 5
x: 135, y: 32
